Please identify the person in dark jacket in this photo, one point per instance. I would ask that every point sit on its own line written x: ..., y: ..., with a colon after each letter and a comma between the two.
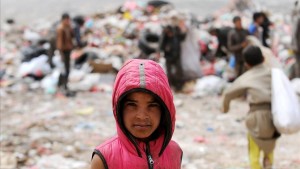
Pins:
x: 236, y: 43
x: 64, y: 43
x: 171, y: 47
x: 222, y: 35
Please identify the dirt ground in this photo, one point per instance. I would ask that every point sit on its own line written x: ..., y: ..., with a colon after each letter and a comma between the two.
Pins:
x: 43, y: 131
x: 35, y: 126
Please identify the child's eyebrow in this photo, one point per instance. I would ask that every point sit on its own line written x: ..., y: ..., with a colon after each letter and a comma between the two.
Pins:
x: 153, y: 101
x: 130, y: 100
x: 135, y: 101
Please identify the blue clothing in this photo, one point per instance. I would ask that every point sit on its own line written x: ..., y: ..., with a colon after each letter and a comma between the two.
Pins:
x: 252, y: 29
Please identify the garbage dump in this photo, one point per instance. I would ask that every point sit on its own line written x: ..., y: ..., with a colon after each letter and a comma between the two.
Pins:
x: 43, y: 129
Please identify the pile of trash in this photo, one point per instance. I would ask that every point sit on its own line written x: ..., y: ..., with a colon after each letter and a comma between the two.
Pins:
x: 279, y: 54
x: 132, y: 31
x: 111, y: 38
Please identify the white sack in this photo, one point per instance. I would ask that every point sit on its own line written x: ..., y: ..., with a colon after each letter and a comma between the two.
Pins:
x: 285, y: 104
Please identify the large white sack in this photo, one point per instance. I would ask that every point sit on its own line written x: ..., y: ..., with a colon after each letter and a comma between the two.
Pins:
x: 190, y: 55
x: 285, y: 104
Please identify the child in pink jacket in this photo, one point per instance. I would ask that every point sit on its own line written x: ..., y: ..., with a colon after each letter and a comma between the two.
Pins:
x: 145, y: 117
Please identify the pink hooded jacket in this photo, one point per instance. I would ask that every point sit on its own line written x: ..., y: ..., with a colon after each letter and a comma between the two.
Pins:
x: 126, y: 152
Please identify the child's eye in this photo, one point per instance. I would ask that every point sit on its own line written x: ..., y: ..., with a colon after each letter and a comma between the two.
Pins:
x: 130, y: 104
x: 154, y: 105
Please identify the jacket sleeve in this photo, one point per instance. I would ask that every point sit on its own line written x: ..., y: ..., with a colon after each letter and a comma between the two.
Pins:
x: 236, y: 90
x: 59, y: 38
x: 231, y: 44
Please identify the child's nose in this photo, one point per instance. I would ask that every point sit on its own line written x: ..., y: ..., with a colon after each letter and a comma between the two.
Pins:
x: 142, y: 114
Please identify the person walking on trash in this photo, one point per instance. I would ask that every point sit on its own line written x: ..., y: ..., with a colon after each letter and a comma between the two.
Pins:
x: 256, y: 84
x: 145, y: 117
x: 222, y: 36
x: 64, y: 43
x: 172, y: 37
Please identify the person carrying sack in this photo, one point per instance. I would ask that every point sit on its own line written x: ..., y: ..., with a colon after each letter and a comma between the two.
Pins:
x: 256, y: 84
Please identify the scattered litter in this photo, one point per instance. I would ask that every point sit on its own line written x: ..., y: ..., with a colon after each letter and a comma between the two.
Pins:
x: 85, y: 111
x: 8, y: 160
x: 209, y: 85
x: 57, y: 161
x: 200, y: 139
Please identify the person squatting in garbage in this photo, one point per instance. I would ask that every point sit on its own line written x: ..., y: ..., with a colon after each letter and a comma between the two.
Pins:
x: 145, y: 119
x: 256, y: 85
x: 236, y: 43
x: 172, y: 37
x: 222, y: 36
x: 64, y: 43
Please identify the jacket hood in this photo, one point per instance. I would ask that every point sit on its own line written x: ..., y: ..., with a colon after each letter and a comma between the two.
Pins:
x: 148, y: 76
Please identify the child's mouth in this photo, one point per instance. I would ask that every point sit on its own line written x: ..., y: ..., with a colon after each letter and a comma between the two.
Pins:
x: 141, y: 126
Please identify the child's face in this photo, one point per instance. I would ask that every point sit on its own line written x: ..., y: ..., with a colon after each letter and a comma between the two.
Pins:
x: 141, y: 114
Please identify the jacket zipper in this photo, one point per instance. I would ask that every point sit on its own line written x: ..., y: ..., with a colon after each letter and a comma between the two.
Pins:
x: 149, y: 157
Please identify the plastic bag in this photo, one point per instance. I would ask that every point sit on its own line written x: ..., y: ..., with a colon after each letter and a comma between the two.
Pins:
x: 87, y: 83
x: 209, y: 86
x: 190, y: 56
x: 285, y: 104
x: 49, y: 83
x: 37, y: 66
